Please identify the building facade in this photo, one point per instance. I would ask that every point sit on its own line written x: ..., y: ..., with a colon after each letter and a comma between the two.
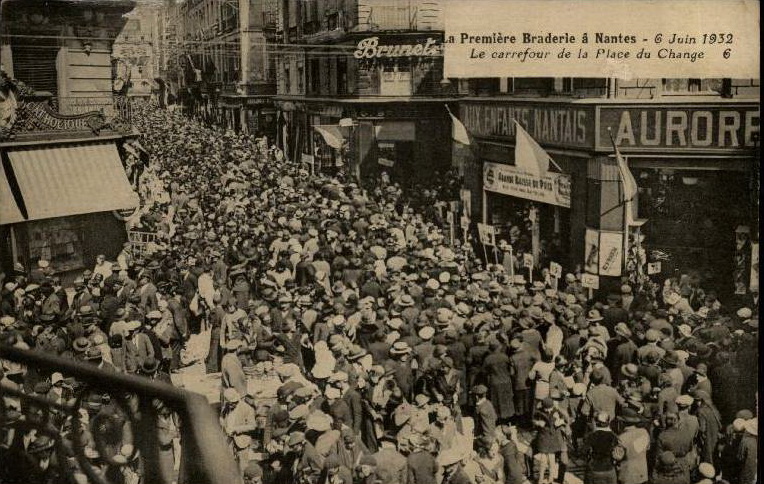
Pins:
x: 220, y: 60
x: 691, y: 144
x: 137, y: 50
x: 360, y: 87
x: 62, y: 133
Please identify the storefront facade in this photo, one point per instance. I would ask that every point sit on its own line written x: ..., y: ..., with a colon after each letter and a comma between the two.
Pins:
x: 63, y: 191
x: 688, y: 160
x: 255, y: 115
x: 387, y: 90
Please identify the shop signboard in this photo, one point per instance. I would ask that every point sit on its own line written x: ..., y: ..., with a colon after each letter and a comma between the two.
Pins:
x: 654, y: 268
x: 487, y: 234
x: 680, y: 127
x: 555, y: 269
x: 611, y: 253
x: 551, y: 188
x: 549, y: 124
x: 590, y: 281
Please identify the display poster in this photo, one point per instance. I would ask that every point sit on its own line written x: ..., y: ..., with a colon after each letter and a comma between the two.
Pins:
x: 591, y: 251
x: 611, y: 254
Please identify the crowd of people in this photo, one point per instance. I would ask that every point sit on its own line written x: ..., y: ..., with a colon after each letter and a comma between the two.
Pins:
x: 402, y: 358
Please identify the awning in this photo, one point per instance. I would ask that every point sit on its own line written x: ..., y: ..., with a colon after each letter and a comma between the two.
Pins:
x: 62, y: 180
x: 332, y: 135
x: 9, y: 210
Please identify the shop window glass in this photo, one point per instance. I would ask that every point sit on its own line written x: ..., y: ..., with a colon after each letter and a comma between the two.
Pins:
x: 395, y: 81
x: 56, y: 240
x: 692, y: 216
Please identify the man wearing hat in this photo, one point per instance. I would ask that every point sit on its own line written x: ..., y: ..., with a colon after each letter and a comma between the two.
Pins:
x: 253, y: 473
x: 598, y: 447
x: 621, y: 351
x: 400, y: 366
x: 232, y: 372
x: 678, y: 440
x: 749, y: 451
x: 601, y: 397
x: 710, y: 426
x: 668, y: 470
x: 635, y: 440
x: 485, y: 414
x: 392, y: 466
x: 238, y: 421
x: 422, y: 467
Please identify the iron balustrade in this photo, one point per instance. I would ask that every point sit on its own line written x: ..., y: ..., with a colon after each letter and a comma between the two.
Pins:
x: 205, y: 455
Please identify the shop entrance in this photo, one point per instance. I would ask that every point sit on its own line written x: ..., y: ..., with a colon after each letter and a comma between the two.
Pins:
x: 511, y: 217
x: 692, y: 218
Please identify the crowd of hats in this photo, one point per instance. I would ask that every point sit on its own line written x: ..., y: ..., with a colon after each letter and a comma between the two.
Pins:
x: 358, y: 290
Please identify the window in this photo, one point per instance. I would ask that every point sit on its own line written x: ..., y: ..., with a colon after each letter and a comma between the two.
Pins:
x: 342, y: 76
x: 57, y: 240
x: 484, y: 86
x: 681, y: 85
x: 300, y: 79
x: 314, y: 71
x: 542, y: 86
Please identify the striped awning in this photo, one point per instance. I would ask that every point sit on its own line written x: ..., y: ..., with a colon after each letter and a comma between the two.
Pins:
x: 62, y: 180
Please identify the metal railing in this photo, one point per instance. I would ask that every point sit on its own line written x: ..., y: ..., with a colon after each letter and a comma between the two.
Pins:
x: 110, y: 105
x: 86, y: 443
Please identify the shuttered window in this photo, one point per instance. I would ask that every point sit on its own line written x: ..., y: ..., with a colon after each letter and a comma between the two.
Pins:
x: 35, y: 64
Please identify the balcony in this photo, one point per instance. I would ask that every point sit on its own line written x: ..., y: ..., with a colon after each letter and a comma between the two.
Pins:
x: 86, y: 443
x: 399, y: 15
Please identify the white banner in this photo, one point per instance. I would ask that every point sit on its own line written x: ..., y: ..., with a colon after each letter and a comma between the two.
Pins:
x: 551, y: 188
x: 591, y: 251
x: 611, y: 253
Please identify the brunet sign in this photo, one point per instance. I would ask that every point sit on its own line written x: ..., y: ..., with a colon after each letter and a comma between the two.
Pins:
x: 369, y: 48
x: 692, y: 128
